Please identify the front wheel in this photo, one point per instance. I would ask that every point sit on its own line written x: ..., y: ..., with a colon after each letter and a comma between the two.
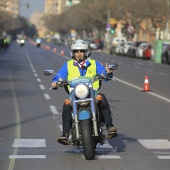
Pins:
x: 87, y: 139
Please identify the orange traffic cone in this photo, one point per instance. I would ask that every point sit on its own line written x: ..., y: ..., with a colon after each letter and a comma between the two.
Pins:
x: 146, y: 86
x: 54, y: 50
x: 62, y: 53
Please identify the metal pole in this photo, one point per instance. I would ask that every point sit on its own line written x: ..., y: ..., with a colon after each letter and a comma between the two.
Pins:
x: 167, y: 21
x: 108, y: 31
x: 18, y: 8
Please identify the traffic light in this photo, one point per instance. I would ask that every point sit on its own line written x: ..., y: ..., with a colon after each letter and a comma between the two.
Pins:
x: 112, y: 31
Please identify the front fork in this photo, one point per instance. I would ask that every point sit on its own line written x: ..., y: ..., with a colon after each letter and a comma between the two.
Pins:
x: 93, y: 111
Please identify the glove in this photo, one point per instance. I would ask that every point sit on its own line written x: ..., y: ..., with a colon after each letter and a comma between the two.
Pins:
x: 54, y: 85
x: 109, y: 71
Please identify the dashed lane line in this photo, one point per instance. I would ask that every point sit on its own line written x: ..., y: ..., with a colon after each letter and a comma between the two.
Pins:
x: 35, y: 74
x: 38, y: 79
x: 54, y: 110
x: 163, y: 74
x: 148, y: 70
x: 47, y: 97
x: 42, y: 87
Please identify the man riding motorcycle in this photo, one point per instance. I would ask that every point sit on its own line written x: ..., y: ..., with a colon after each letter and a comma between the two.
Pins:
x: 82, y: 65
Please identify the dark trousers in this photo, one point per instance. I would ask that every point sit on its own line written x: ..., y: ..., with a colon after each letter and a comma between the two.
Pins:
x: 102, y: 105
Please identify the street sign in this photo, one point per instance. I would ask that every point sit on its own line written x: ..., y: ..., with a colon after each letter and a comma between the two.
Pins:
x: 73, y: 33
x: 112, y: 21
x: 130, y: 29
x: 108, y: 27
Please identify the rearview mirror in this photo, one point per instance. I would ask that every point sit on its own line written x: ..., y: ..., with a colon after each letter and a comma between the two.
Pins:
x: 113, y: 66
x: 48, y: 72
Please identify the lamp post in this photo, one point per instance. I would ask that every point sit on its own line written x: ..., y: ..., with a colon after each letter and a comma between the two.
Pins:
x: 108, y: 28
x: 167, y: 20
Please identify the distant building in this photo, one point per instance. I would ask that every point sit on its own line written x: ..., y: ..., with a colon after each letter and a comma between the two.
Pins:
x: 10, y: 6
x: 58, y: 6
x: 36, y: 19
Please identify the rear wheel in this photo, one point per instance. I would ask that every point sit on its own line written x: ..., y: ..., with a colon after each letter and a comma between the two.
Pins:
x: 87, y: 139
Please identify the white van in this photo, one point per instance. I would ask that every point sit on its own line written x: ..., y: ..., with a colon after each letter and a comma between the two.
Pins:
x: 117, y: 44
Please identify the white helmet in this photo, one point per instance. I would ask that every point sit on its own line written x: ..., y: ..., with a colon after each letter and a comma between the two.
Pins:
x: 80, y: 45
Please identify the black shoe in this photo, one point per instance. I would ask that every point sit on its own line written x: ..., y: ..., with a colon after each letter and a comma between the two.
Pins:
x: 111, y: 132
x: 63, y: 139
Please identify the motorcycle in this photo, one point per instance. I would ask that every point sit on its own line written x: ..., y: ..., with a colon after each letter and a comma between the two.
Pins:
x: 87, y: 122
x: 22, y: 42
x: 38, y: 42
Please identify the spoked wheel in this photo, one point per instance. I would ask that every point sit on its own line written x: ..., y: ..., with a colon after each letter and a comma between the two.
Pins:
x: 87, y: 139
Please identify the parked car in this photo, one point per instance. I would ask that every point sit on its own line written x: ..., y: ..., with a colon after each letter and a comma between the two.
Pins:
x: 148, y: 52
x: 139, y: 50
x: 126, y: 47
x: 133, y: 48
x: 93, y: 44
x: 166, y: 54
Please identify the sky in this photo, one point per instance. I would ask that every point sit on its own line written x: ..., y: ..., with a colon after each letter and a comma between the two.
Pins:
x: 35, y: 5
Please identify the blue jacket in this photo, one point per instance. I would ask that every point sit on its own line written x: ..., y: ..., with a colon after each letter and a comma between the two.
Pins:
x: 63, y: 72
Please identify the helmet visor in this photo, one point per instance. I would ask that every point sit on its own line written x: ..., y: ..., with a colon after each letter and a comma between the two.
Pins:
x: 76, y: 51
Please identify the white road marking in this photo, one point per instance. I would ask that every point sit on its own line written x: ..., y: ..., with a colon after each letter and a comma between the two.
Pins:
x: 47, y: 97
x: 33, y: 70
x: 42, y: 87
x: 61, y: 127
x: 38, y: 79
x: 107, y: 157
x: 27, y: 156
x: 36, y: 75
x: 105, y: 146
x: 163, y: 157
x: 163, y: 74
x: 155, y: 143
x: 148, y: 70
x: 54, y: 110
x: 30, y: 143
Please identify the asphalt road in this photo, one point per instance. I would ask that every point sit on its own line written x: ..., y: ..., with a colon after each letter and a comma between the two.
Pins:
x: 30, y: 113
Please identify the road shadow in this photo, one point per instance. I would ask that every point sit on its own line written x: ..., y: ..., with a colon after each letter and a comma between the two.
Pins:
x: 119, y: 143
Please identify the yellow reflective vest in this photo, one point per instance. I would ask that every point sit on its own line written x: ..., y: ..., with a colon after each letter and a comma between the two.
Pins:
x: 73, y: 71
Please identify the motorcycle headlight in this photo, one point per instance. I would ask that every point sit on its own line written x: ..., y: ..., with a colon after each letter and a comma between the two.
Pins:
x: 81, y: 91
x: 22, y: 41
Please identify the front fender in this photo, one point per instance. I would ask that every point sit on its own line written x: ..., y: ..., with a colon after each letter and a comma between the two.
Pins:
x: 84, y: 115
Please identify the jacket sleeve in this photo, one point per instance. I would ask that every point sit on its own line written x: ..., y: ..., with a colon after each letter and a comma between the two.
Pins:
x: 63, y: 73
x: 100, y: 69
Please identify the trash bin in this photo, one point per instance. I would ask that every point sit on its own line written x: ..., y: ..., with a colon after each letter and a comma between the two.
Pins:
x: 158, y: 54
x: 160, y: 48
